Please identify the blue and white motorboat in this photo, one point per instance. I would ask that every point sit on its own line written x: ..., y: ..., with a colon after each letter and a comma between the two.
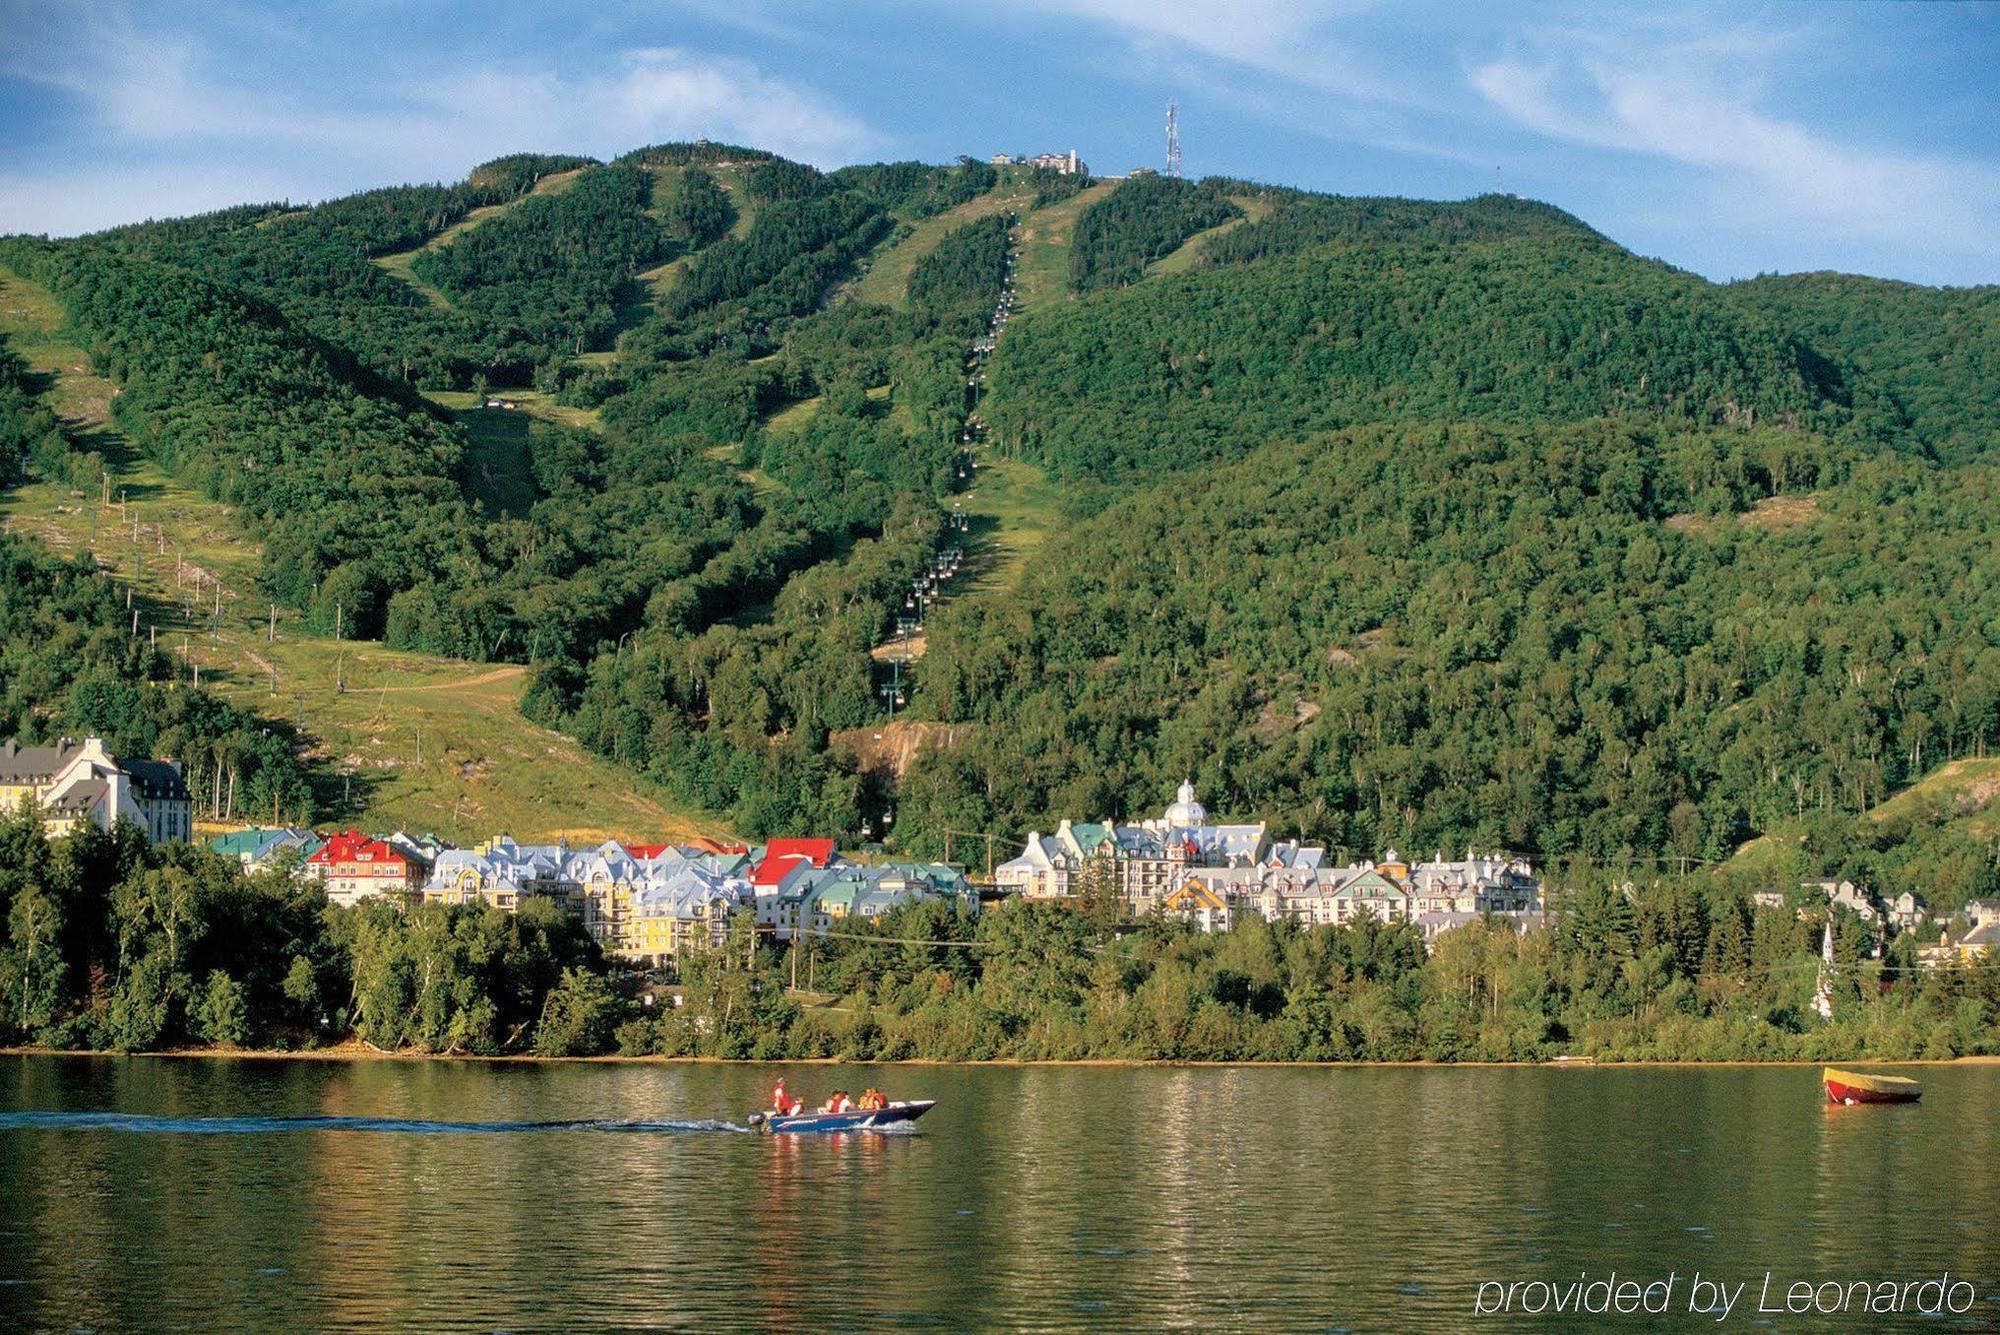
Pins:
x: 897, y: 1115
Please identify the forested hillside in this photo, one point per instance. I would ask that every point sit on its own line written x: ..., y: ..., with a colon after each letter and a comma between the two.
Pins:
x: 1590, y: 638
x: 1935, y: 351
x: 1392, y: 521
x: 1172, y: 374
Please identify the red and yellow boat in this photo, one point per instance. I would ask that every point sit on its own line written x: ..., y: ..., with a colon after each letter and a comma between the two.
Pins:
x: 1851, y: 1087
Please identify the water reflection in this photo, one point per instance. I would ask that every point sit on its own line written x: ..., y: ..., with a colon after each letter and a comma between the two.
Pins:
x: 1175, y: 1198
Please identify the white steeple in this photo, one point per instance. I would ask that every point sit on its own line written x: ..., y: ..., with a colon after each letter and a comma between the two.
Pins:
x: 1185, y: 811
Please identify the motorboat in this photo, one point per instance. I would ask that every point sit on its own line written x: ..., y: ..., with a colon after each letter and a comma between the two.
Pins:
x: 898, y: 1115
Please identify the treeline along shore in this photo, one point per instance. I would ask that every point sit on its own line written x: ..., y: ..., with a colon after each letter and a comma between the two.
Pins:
x: 110, y: 943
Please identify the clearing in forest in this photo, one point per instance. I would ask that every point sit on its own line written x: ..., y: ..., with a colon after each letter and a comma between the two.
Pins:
x: 403, y: 740
x: 1183, y: 257
x: 1044, y: 247
x: 887, y: 282
x: 400, y: 263
x: 1014, y: 507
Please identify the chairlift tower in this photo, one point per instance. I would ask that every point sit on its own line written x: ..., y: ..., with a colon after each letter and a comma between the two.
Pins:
x: 1173, y: 139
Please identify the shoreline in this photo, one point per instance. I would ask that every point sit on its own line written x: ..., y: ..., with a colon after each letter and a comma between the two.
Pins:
x: 361, y: 1052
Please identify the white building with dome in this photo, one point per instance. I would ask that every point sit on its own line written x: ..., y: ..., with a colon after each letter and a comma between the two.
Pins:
x: 1208, y: 873
x: 1144, y: 861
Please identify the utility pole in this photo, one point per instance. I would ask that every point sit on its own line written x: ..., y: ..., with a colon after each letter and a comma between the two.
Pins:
x: 271, y: 636
x: 1173, y: 139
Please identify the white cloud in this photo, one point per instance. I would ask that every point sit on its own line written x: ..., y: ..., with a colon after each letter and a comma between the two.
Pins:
x: 653, y: 94
x: 1696, y: 104
x: 158, y: 100
x: 1292, y: 39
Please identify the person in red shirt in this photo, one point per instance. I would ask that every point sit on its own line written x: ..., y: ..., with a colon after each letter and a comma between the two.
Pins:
x: 779, y: 1100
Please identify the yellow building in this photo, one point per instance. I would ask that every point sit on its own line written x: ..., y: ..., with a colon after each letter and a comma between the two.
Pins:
x: 78, y: 783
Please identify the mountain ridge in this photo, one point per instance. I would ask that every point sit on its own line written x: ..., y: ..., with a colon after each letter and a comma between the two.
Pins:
x: 1305, y: 340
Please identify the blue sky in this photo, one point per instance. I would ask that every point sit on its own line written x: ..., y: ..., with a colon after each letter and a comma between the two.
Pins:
x: 1728, y: 140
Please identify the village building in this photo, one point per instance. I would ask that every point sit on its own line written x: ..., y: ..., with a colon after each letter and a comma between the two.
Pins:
x: 642, y: 903
x: 1143, y: 862
x: 255, y: 846
x: 683, y: 905
x: 1907, y: 912
x: 498, y: 872
x: 813, y: 901
x: 1208, y: 874
x: 1068, y: 164
x: 77, y: 783
x: 1972, y: 946
x: 354, y: 867
x: 1857, y: 899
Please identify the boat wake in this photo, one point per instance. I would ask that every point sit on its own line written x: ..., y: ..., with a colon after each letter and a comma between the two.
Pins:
x: 251, y: 1126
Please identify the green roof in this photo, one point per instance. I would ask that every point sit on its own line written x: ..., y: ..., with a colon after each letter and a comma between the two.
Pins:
x: 1089, y: 834
x: 238, y: 842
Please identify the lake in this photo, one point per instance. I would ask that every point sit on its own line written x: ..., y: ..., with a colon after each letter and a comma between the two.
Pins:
x: 1206, y: 1198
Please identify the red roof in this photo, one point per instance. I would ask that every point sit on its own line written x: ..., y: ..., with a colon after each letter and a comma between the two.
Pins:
x: 354, y: 846
x: 646, y: 852
x: 781, y: 855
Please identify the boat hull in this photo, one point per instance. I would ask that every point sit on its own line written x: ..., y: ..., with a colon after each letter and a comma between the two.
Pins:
x: 1848, y: 1088
x: 896, y: 1116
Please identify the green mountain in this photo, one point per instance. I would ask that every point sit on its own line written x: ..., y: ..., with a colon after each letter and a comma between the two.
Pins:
x: 1390, y: 520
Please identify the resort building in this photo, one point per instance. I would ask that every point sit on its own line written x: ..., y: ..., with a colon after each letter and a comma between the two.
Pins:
x: 1068, y: 164
x: 643, y: 903
x: 257, y: 845
x: 815, y: 901
x: 1180, y: 864
x: 354, y: 867
x: 79, y: 783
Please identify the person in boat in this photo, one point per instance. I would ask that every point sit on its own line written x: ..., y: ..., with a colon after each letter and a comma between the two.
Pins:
x: 872, y: 1100
x: 782, y: 1101
x: 839, y: 1102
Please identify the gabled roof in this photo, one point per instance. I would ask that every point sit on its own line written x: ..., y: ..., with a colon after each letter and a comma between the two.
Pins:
x: 238, y: 842
x: 1369, y: 883
x: 354, y: 846
x: 1193, y: 894
x: 781, y: 855
x: 1987, y: 933
x: 158, y: 780
x: 33, y: 764
x: 79, y: 798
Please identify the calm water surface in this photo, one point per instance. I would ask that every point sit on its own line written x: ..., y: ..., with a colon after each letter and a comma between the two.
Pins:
x: 1366, y: 1199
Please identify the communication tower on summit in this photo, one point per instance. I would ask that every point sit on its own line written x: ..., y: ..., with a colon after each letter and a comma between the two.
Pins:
x: 1173, y: 139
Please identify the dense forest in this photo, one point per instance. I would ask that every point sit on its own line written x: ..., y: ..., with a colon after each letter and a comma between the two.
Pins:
x: 549, y: 271
x: 1142, y: 221
x: 1391, y: 520
x: 317, y: 266
x: 1169, y: 375
x: 1597, y: 638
